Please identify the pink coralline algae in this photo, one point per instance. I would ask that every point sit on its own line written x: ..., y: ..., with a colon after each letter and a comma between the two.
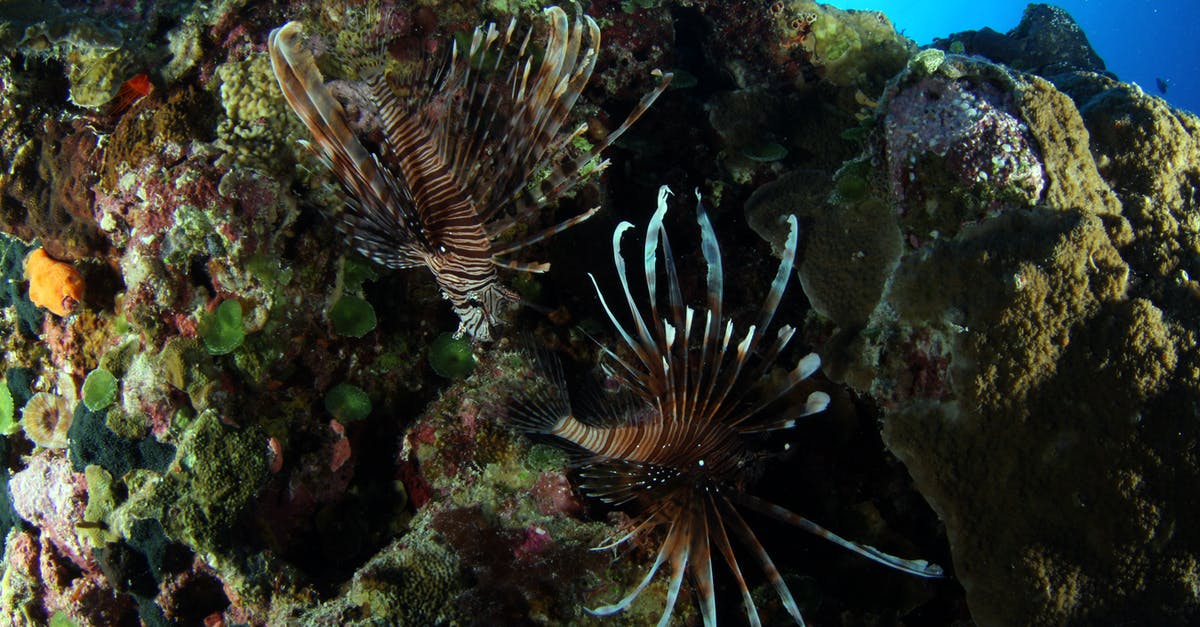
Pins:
x: 968, y: 132
x: 537, y: 540
x: 552, y: 494
x: 51, y: 496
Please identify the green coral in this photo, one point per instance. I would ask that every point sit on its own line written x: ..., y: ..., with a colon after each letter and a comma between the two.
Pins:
x: 217, y: 471
x: 451, y: 357
x: 99, y: 389
x: 414, y: 581
x: 258, y: 127
x: 222, y: 330
x: 927, y: 62
x: 97, y: 74
x: 193, y: 234
x: 8, y: 422
x: 352, y: 316
x: 101, y: 503
x: 347, y: 403
x: 765, y: 153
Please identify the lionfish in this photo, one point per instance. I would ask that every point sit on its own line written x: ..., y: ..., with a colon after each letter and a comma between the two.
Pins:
x: 460, y: 154
x: 677, y: 452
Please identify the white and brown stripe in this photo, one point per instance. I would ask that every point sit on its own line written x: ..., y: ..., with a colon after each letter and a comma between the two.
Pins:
x: 679, y: 457
x: 461, y: 143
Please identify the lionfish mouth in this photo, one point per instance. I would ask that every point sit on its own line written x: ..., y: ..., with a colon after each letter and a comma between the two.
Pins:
x: 467, y: 141
x: 698, y: 395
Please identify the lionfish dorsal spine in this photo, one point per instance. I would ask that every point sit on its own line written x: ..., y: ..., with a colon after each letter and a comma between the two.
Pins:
x: 377, y: 196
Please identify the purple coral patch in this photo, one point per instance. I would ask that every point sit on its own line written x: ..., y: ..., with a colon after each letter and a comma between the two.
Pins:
x: 51, y: 496
x: 970, y: 128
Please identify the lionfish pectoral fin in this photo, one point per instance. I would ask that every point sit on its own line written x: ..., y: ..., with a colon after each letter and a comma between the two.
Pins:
x: 920, y: 568
x: 376, y: 214
x: 721, y: 539
x: 679, y: 563
x: 534, y: 267
x: 816, y: 403
x: 746, y: 535
x: 702, y: 573
x: 607, y: 610
x: 304, y: 89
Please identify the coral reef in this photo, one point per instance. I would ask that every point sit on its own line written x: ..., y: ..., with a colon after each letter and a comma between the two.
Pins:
x: 242, y: 421
x: 1032, y: 349
x: 1046, y: 42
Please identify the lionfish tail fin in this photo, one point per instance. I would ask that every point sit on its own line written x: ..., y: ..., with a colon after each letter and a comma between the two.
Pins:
x: 920, y: 568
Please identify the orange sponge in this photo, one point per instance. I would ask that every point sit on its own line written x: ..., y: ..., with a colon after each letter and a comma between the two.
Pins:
x: 55, y: 285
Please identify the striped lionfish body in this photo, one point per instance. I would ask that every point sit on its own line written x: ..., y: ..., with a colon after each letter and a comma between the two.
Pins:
x: 676, y: 454
x: 462, y: 140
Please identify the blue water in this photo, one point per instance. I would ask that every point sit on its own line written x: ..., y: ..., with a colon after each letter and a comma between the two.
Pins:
x: 1139, y: 40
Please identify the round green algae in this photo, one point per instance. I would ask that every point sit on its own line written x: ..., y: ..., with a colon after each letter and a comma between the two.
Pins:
x: 99, y: 389
x: 222, y: 330
x: 765, y: 153
x: 347, y: 403
x: 352, y: 317
x: 451, y: 357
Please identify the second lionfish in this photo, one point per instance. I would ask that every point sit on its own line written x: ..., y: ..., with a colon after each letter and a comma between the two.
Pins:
x: 675, y: 447
x: 462, y: 141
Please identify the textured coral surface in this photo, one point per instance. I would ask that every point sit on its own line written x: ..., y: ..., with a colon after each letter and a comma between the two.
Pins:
x: 996, y: 255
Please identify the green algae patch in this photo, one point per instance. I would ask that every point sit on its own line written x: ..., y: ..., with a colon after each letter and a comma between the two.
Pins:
x: 222, y: 330
x: 356, y: 271
x: 8, y: 423
x: 451, y: 357
x: 61, y: 619
x: 352, y: 316
x: 765, y: 153
x: 99, y: 389
x: 347, y: 403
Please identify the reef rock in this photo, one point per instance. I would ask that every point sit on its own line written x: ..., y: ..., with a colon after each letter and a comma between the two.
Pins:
x: 1034, y: 351
x: 1046, y: 42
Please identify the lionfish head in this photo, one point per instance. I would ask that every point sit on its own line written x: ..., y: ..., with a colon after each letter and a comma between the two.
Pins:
x: 700, y: 388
